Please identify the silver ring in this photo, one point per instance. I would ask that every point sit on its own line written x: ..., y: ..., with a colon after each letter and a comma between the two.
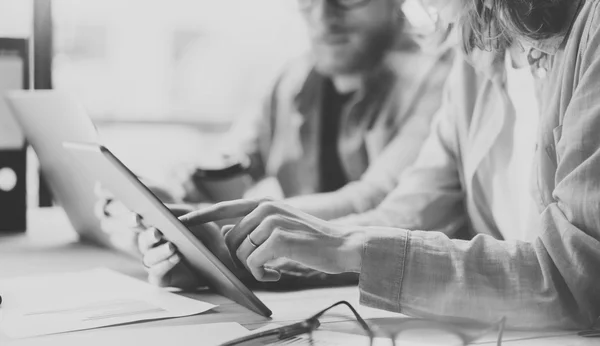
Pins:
x: 251, y: 242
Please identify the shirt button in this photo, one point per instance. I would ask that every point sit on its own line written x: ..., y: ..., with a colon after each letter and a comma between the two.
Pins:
x: 541, y: 72
x: 535, y: 54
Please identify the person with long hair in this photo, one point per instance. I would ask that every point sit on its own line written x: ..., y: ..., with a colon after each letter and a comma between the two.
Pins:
x: 466, y: 233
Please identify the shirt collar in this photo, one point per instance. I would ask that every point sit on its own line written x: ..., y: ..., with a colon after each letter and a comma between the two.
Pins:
x: 376, y: 81
x: 492, y: 63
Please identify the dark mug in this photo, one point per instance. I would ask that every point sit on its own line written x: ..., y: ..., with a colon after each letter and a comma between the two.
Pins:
x: 224, y: 183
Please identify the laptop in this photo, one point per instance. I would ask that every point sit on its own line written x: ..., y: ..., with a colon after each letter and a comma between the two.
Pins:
x: 51, y: 118
x: 48, y: 118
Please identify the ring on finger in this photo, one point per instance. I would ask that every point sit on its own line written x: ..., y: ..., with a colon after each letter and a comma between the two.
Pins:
x: 251, y: 242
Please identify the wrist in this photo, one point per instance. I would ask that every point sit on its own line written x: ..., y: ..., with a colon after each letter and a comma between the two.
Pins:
x: 352, y: 252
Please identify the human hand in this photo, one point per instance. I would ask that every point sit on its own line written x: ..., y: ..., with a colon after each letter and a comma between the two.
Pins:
x: 120, y: 224
x: 117, y: 222
x: 272, y: 230
x: 163, y: 261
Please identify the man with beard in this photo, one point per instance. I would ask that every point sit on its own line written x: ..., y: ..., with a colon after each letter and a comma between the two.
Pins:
x: 339, y: 124
x: 329, y: 118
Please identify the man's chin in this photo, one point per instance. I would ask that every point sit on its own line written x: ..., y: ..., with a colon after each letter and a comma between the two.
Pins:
x: 344, y: 60
x: 329, y: 67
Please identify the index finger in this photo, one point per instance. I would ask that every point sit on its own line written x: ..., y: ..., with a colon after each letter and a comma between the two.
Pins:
x: 179, y: 209
x: 220, y: 211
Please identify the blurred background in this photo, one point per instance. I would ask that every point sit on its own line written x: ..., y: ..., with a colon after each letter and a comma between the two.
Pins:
x: 162, y: 79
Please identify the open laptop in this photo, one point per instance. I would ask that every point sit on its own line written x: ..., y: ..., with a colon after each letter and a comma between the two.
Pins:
x: 51, y: 118
x: 48, y: 118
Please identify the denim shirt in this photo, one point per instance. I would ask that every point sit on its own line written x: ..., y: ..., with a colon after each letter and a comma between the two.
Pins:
x: 553, y: 281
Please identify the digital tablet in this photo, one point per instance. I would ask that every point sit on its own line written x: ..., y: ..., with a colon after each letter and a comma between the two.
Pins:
x: 118, y: 180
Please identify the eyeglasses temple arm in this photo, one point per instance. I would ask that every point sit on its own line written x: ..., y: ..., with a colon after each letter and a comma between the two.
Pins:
x: 359, y: 318
x: 280, y: 333
x: 298, y: 328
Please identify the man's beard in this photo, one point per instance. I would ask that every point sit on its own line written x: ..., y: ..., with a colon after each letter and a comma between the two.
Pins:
x: 358, y: 59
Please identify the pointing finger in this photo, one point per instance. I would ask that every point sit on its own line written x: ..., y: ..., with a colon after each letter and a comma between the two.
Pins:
x: 221, y: 211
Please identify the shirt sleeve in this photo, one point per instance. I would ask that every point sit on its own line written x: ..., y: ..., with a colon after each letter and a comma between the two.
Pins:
x: 429, y: 194
x: 252, y: 134
x: 551, y: 282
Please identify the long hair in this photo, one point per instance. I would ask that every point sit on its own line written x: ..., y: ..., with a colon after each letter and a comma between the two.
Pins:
x: 495, y: 28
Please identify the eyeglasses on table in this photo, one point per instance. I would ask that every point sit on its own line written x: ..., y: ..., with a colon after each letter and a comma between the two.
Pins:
x: 376, y: 332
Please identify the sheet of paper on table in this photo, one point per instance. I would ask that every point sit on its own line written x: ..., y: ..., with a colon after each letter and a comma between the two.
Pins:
x: 49, y: 304
x: 190, y: 335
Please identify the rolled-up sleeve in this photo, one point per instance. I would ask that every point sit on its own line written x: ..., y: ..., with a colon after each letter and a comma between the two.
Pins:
x: 383, y: 265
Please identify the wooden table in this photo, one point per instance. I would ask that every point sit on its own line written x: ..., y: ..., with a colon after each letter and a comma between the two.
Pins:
x: 50, y: 245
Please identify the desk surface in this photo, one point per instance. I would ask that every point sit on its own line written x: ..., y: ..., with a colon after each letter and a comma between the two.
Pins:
x: 50, y: 245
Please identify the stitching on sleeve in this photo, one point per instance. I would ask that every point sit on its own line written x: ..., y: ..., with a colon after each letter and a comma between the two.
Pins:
x: 403, y: 269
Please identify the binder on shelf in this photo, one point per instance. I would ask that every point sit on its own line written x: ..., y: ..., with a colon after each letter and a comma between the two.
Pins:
x: 14, y: 74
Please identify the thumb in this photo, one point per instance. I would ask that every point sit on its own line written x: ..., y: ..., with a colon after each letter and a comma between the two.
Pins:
x: 270, y: 275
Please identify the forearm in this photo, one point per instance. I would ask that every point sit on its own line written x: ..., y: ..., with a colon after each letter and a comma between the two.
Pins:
x: 550, y: 283
x: 436, y: 210
x: 295, y: 276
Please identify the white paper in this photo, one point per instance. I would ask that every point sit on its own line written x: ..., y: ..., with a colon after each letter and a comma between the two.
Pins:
x: 11, y: 78
x: 51, y: 304
x: 193, y: 335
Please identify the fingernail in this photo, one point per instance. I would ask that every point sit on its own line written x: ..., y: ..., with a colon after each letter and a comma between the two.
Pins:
x: 156, y: 234
x: 171, y: 247
x: 174, y: 259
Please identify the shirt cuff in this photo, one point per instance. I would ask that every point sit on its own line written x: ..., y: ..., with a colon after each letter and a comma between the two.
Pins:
x: 382, y: 270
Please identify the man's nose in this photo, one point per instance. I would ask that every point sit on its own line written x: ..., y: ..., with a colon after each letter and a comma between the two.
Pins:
x: 325, y: 10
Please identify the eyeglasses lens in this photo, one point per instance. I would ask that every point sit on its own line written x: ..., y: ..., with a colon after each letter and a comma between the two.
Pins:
x: 391, y: 331
x: 422, y: 337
